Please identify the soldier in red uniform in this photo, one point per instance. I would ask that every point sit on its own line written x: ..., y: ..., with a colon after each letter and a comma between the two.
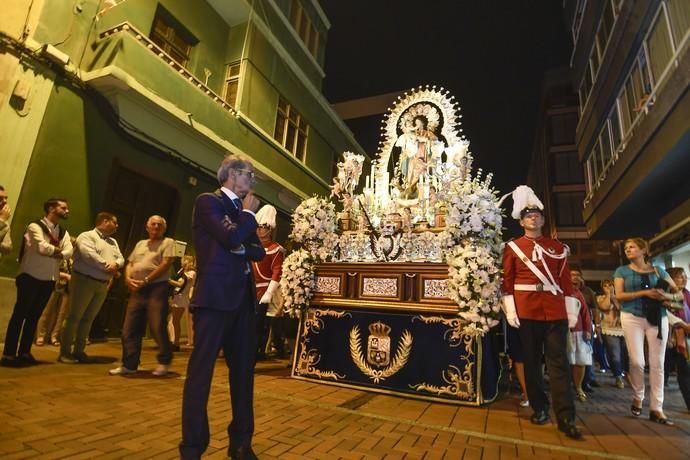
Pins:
x: 267, y: 274
x: 536, y: 289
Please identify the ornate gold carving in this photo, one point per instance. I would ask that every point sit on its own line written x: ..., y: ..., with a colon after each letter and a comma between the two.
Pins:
x: 453, y: 334
x: 314, y: 323
x: 401, y: 356
x: 383, y: 287
x: 460, y: 384
x: 306, y: 365
x: 436, y: 289
x: 327, y: 284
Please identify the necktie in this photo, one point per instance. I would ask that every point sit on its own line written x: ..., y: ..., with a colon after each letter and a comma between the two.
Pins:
x: 238, y: 203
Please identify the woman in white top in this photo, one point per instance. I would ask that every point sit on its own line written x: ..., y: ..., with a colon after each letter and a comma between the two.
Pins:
x: 179, y: 302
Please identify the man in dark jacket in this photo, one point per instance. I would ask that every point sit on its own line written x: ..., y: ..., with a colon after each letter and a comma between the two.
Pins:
x: 224, y: 227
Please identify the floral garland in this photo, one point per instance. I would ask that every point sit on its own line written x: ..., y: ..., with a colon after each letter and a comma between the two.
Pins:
x: 474, y: 283
x: 297, y: 282
x: 313, y: 227
x: 473, y: 237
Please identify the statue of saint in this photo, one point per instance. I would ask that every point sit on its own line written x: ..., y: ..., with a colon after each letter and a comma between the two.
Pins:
x: 417, y: 147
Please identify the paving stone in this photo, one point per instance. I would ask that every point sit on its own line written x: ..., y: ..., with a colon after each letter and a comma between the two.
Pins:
x: 56, y: 411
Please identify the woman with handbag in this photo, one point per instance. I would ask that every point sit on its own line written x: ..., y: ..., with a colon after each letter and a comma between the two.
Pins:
x: 638, y: 286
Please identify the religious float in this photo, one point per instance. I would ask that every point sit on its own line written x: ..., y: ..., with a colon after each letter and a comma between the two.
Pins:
x: 397, y: 281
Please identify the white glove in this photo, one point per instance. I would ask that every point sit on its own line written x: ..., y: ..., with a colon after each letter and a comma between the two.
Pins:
x: 572, y: 307
x: 508, y: 307
x: 270, y: 290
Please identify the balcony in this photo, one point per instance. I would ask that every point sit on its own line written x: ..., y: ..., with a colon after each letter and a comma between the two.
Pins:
x: 157, y: 98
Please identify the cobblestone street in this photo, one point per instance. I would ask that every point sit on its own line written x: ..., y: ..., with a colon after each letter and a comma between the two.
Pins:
x: 78, y: 411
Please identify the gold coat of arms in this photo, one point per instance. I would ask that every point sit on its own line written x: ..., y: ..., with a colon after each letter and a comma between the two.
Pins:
x: 379, y: 351
x: 379, y: 345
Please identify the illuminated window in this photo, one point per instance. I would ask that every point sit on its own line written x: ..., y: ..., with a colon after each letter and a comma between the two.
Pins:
x: 232, y: 82
x: 172, y: 37
x: 659, y: 46
x: 291, y: 130
x: 304, y: 27
x: 679, y: 14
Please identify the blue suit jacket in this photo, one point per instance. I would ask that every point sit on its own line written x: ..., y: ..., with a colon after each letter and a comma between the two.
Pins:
x: 219, y: 227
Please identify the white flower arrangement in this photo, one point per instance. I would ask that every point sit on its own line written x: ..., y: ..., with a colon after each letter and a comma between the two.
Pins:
x: 313, y: 226
x: 297, y: 281
x: 473, y: 237
x: 313, y: 220
x: 474, y: 283
x: 473, y: 210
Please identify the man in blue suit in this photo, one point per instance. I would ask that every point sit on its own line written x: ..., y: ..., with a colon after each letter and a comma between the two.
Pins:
x: 225, y: 239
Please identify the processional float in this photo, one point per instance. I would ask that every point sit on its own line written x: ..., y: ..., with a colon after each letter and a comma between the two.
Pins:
x: 396, y: 280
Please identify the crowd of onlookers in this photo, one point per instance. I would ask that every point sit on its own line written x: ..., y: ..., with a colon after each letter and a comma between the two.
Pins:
x: 633, y: 325
x: 63, y: 282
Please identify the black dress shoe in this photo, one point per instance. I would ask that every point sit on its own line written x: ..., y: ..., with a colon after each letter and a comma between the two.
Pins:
x: 11, y: 361
x: 588, y: 388
x: 570, y: 429
x: 83, y: 358
x: 27, y: 359
x: 242, y: 453
x: 539, y: 418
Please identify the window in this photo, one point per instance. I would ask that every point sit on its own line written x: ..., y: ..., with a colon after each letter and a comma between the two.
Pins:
x: 577, y: 18
x: 171, y: 36
x: 304, y: 27
x: 586, y: 84
x: 562, y: 128
x: 591, y: 180
x: 625, y: 119
x: 606, y: 153
x: 567, y: 169
x: 659, y: 45
x: 232, y: 82
x: 594, y: 59
x: 607, y: 19
x: 679, y: 13
x: 595, y: 162
x: 569, y: 209
x: 615, y: 129
x: 291, y: 130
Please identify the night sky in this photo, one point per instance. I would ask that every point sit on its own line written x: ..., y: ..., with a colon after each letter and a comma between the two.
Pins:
x: 490, y: 54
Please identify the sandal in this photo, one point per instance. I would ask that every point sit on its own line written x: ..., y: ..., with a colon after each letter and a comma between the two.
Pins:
x: 655, y: 417
x: 581, y: 396
x: 636, y: 411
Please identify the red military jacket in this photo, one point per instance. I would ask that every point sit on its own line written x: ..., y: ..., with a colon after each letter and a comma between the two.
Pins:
x: 268, y: 269
x: 535, y: 305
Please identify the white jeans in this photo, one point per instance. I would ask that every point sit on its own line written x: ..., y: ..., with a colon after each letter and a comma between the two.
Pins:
x: 635, y: 330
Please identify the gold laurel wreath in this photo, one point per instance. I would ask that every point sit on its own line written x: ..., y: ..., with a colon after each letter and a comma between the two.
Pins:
x: 400, y: 359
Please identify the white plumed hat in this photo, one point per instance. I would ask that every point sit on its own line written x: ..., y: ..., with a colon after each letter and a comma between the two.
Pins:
x: 266, y: 216
x: 524, y: 200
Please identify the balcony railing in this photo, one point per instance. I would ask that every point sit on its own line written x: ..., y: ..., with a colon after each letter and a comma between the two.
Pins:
x: 126, y: 27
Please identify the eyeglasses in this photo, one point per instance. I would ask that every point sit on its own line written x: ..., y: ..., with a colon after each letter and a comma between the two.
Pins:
x: 247, y: 172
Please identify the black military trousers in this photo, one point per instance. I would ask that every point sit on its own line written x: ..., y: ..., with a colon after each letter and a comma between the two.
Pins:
x: 548, y: 339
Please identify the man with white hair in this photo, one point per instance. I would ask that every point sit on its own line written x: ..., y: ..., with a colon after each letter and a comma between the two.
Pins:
x: 146, y: 274
x: 538, y: 300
